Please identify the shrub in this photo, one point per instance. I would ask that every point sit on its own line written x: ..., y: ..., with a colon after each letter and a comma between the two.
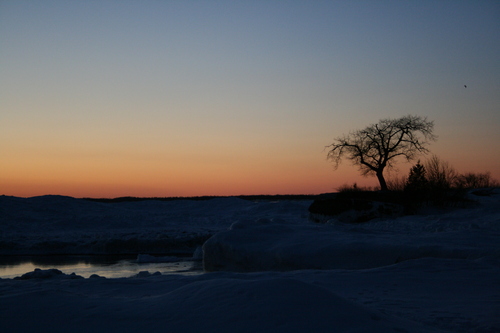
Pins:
x: 396, y: 183
x: 354, y: 188
x: 475, y: 180
x: 440, y: 175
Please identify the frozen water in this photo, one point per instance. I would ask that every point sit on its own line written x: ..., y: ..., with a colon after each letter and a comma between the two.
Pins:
x: 110, y: 267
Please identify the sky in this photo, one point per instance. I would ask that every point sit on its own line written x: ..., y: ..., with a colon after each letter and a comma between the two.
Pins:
x: 188, y: 98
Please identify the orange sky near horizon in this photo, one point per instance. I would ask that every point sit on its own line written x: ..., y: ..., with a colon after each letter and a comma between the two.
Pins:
x: 160, y: 99
x: 180, y: 175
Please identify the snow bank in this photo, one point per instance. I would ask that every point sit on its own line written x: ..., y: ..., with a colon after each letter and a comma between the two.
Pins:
x: 275, y: 305
x: 220, y: 303
x: 423, y: 295
x: 269, y: 245
x: 65, y: 225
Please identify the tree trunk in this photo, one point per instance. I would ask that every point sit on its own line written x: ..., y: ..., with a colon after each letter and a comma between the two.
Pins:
x: 381, y: 179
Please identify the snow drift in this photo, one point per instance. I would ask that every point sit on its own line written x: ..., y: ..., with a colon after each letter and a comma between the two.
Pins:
x: 268, y: 245
x: 64, y: 225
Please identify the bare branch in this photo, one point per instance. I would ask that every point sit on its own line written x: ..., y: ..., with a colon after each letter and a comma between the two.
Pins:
x: 377, y: 146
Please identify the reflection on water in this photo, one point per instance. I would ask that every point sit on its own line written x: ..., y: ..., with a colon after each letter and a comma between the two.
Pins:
x: 106, y: 266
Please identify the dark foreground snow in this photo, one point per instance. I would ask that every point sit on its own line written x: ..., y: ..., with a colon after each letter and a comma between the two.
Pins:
x: 432, y: 273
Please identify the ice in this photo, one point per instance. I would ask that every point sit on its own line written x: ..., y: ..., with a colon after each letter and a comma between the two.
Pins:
x: 146, y: 258
x: 273, y: 270
x: 47, y: 274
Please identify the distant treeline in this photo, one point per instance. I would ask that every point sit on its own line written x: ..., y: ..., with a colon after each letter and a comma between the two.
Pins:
x: 261, y: 197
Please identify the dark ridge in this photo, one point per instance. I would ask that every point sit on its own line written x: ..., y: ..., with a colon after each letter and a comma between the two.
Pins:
x: 278, y: 197
x: 261, y: 197
x: 134, y: 199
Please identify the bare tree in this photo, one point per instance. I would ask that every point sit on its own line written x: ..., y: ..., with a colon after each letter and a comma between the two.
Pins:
x: 379, y: 145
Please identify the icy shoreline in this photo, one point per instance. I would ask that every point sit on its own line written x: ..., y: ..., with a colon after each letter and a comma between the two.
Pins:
x: 307, y: 277
x: 425, y: 295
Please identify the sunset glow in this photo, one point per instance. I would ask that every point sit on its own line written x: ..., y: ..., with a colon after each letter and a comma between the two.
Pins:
x: 181, y: 98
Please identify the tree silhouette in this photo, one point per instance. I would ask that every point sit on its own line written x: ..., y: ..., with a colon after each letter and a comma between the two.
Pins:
x: 376, y: 147
x: 417, y: 182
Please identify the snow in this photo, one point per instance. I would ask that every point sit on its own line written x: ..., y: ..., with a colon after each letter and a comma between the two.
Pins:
x: 146, y: 258
x: 269, y: 269
x: 269, y: 245
x: 62, y: 225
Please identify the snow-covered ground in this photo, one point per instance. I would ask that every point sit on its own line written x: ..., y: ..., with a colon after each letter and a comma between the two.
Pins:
x: 62, y: 225
x: 272, y: 270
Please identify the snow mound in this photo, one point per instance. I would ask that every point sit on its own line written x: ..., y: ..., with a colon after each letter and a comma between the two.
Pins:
x: 145, y: 274
x: 218, y: 303
x: 267, y: 244
x: 275, y: 305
